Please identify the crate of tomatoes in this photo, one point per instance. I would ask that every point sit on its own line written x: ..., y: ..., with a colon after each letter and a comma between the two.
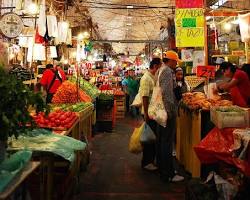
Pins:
x: 57, y: 120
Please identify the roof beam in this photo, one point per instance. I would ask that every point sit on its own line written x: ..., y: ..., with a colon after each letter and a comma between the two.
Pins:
x: 130, y: 41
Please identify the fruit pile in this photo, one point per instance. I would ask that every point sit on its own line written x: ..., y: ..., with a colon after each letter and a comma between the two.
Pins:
x: 67, y: 93
x: 59, y: 120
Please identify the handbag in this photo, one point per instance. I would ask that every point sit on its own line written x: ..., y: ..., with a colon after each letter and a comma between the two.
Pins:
x: 147, y: 135
x: 156, y: 108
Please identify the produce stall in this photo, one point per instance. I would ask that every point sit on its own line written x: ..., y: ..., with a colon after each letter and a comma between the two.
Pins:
x: 193, y: 124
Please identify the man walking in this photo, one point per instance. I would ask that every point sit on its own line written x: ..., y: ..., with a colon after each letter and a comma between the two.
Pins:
x: 167, y: 83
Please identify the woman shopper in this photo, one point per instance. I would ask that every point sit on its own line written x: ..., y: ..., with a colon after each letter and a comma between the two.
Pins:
x: 147, y: 84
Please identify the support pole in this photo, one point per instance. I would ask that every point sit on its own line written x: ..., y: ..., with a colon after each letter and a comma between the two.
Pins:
x: 246, y: 52
x: 205, y: 36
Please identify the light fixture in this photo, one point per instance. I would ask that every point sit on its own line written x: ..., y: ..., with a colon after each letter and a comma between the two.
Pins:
x: 33, y: 9
x: 80, y: 36
x: 235, y: 21
x: 227, y: 26
x: 86, y: 34
x: 130, y: 7
x: 129, y: 24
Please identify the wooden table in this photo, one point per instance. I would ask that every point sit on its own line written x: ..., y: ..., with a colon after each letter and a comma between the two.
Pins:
x: 19, y: 179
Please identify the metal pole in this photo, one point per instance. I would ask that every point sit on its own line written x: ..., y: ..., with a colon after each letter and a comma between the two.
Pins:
x: 246, y: 52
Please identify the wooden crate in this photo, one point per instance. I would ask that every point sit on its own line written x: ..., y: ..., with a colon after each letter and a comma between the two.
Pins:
x: 120, y: 108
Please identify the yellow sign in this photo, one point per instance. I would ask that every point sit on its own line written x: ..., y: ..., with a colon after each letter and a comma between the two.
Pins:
x: 189, y: 25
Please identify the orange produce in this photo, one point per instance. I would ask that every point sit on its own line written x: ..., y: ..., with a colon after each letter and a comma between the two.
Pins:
x: 67, y: 93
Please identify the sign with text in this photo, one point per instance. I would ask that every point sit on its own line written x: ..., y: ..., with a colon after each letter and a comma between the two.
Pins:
x: 206, y: 71
x: 189, y: 4
x: 190, y: 27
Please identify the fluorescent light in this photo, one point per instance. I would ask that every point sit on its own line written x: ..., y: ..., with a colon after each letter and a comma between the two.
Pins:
x: 129, y: 24
x: 227, y: 26
x: 130, y: 7
x: 208, y: 18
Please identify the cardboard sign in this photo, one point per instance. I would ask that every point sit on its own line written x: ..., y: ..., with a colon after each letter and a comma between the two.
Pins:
x: 206, y: 71
x: 190, y: 27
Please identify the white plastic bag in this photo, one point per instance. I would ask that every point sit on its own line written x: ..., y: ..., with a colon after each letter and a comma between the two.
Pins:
x: 156, y: 109
x: 52, y: 26
x: 137, y: 101
x: 147, y: 135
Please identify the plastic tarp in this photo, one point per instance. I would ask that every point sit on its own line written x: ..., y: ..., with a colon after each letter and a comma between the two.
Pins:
x: 44, y: 140
x: 11, y: 167
x: 218, y: 146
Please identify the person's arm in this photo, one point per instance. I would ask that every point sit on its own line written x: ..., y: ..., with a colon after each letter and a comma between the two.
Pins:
x: 145, y: 93
x: 227, y: 86
x: 166, y: 84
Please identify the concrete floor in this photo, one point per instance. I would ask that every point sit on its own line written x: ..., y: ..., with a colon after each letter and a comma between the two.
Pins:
x: 115, y: 174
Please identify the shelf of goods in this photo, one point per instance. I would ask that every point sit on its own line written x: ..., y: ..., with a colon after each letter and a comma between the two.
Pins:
x: 54, y: 167
x: 193, y: 123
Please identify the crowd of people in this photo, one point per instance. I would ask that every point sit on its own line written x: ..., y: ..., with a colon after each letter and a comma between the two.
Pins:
x: 159, y: 154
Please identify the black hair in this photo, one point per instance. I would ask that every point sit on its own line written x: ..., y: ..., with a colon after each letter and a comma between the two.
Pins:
x: 228, y: 65
x: 155, y: 61
x: 165, y: 60
x: 246, y: 68
x: 49, y: 66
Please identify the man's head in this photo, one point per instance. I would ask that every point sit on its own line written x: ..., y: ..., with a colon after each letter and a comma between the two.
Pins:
x: 171, y: 59
x: 228, y: 69
x: 49, y: 66
x: 155, y: 64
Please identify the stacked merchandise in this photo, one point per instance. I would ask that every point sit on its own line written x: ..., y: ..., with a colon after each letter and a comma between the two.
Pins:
x: 104, y: 112
x: 21, y: 73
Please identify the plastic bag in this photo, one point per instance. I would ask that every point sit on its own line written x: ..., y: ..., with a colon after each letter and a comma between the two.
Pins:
x: 137, y: 101
x: 147, y: 135
x: 156, y: 108
x: 134, y: 143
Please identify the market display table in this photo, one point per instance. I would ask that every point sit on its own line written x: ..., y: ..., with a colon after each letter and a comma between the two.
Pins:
x: 219, y: 145
x: 19, y: 180
x: 191, y: 128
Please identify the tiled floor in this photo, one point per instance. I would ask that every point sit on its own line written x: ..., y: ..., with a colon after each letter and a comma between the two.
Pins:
x: 115, y: 174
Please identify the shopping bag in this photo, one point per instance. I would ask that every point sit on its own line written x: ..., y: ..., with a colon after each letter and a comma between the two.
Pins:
x: 137, y: 101
x: 156, y: 108
x: 147, y: 135
x: 134, y: 143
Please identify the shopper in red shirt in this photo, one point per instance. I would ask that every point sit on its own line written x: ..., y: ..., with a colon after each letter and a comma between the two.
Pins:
x: 238, y: 86
x: 51, y: 80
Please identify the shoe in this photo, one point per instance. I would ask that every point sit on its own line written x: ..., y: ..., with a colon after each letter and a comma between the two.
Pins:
x: 150, y: 167
x: 177, y: 178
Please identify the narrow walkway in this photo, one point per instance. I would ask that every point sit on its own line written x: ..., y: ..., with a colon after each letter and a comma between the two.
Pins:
x: 115, y: 174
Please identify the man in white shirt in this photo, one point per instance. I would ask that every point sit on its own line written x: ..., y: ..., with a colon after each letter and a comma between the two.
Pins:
x: 147, y: 84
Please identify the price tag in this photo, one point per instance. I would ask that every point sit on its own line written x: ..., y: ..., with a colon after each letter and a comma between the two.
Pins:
x: 206, y: 71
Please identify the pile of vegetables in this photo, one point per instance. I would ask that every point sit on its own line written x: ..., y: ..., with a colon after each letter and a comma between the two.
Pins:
x: 87, y: 87
x: 59, y: 120
x: 74, y: 107
x: 67, y: 93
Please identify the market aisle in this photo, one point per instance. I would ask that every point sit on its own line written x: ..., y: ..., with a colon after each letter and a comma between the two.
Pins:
x: 114, y: 173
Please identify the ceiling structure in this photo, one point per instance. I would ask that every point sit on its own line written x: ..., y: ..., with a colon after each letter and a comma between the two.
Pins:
x: 129, y: 20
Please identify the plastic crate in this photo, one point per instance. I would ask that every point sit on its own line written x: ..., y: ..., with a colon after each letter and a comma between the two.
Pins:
x: 229, y: 116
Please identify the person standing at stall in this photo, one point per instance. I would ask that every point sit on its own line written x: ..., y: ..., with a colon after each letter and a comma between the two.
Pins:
x: 238, y: 85
x: 51, y: 79
x: 167, y: 83
x: 147, y: 84
x: 181, y: 85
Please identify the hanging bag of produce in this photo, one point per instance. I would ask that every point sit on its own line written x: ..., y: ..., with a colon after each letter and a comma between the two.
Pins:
x: 134, y: 143
x: 147, y: 135
x: 156, y: 108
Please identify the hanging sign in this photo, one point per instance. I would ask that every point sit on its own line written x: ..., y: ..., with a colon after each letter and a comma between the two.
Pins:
x: 189, y: 4
x: 190, y: 27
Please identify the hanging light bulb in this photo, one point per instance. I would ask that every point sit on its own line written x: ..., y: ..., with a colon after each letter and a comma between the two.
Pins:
x: 227, y: 26
x: 33, y: 8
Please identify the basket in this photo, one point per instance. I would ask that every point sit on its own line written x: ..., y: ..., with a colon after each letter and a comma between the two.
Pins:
x: 229, y: 116
x: 194, y: 81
